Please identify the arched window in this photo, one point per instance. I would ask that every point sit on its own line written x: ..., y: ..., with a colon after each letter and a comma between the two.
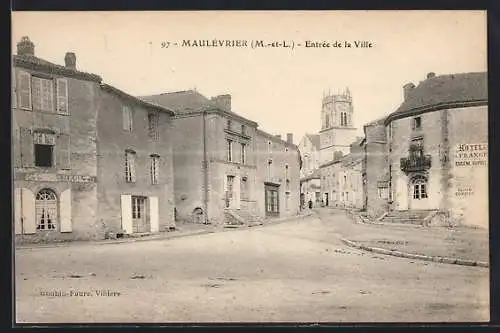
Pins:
x: 419, y: 184
x: 46, y: 210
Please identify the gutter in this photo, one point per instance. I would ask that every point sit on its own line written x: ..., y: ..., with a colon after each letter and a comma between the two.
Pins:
x: 205, y: 169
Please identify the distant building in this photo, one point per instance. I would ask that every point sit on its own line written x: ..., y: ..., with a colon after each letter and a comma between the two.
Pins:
x: 225, y: 167
x: 83, y: 161
x: 341, y: 179
x: 309, y: 148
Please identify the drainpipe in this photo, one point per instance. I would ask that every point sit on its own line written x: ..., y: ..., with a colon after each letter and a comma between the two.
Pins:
x: 205, y: 168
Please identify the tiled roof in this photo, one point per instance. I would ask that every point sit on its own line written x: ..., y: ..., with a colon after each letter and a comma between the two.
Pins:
x: 314, y: 138
x: 136, y: 100
x: 180, y: 101
x: 444, y: 90
x: 35, y: 63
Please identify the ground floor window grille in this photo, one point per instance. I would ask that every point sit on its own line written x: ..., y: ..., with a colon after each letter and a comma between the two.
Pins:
x: 46, y: 210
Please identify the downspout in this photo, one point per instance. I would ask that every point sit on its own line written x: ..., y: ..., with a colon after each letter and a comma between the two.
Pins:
x: 205, y: 168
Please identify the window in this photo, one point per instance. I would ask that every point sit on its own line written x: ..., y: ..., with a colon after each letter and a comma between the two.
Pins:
x: 46, y: 210
x: 243, y: 130
x: 343, y: 119
x: 229, y: 124
x: 153, y: 125
x: 383, y: 192
x: 272, y: 201
x: 129, y: 166
x: 419, y: 187
x: 243, y: 153
x: 62, y: 96
x: 417, y: 123
x: 229, y: 190
x: 229, y: 150
x: 155, y: 169
x: 44, y: 149
x: 417, y: 147
x: 286, y: 171
x: 42, y: 94
x: 128, y: 121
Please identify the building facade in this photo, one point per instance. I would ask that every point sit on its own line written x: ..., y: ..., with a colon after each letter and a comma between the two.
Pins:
x: 310, y: 183
x: 438, y: 149
x: 225, y: 165
x: 69, y: 155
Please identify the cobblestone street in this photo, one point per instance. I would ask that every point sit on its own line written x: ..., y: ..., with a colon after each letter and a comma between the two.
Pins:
x: 295, y: 271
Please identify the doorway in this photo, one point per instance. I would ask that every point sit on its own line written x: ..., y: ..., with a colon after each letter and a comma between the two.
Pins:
x: 140, y: 220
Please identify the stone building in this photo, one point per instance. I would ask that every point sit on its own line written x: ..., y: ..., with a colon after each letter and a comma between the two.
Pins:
x: 437, y: 144
x: 341, y: 179
x: 225, y: 167
x: 66, y: 156
x: 310, y: 188
x: 337, y: 126
x: 375, y: 169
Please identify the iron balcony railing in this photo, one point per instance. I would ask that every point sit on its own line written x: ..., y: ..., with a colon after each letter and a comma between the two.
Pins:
x: 415, y: 163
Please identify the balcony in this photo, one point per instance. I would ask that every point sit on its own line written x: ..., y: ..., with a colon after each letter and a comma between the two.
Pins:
x: 415, y: 163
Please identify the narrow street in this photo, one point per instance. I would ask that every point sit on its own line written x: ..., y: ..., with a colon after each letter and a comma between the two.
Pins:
x: 295, y: 271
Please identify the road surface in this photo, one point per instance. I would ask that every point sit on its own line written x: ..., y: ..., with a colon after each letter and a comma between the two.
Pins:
x: 295, y: 271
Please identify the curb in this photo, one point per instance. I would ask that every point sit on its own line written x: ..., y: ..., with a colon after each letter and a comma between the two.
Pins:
x: 127, y: 240
x: 446, y: 260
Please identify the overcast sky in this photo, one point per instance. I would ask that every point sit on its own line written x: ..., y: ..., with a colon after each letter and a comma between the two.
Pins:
x: 281, y: 89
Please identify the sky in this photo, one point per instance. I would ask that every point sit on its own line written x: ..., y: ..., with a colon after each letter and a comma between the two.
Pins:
x: 280, y: 88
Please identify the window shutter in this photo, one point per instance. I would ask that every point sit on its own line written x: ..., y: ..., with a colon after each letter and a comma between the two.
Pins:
x: 132, y: 167
x: 126, y: 204
x: 154, y: 214
x: 64, y: 151
x: 14, y: 89
x: 27, y: 147
x: 25, y: 90
x: 65, y: 211
x: 17, y: 211
x: 125, y: 118
x: 36, y: 86
x: 28, y: 211
x: 62, y: 96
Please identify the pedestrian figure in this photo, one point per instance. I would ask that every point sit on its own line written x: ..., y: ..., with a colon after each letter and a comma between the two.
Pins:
x: 310, y: 204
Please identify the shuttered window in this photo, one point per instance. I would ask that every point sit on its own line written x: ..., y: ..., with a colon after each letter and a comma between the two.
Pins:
x: 128, y: 123
x: 130, y: 167
x: 43, y: 94
x: 25, y: 90
x: 62, y: 96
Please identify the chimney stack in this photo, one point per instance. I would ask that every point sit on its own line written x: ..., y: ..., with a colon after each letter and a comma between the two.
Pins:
x: 25, y: 47
x: 70, y: 60
x: 431, y: 75
x: 223, y: 101
x: 289, y: 138
x: 407, y: 88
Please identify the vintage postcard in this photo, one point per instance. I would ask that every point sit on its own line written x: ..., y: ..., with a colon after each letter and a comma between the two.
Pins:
x: 250, y: 167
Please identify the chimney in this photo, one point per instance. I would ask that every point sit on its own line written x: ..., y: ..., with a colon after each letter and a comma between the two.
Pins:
x: 431, y: 75
x: 289, y: 138
x: 407, y: 88
x: 278, y: 136
x: 223, y: 101
x: 25, y: 47
x: 70, y: 60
